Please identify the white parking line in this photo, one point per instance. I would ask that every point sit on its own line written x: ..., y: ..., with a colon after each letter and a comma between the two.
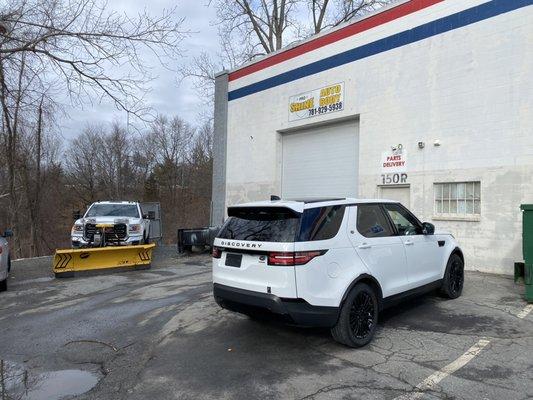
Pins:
x: 527, y: 309
x: 432, y: 381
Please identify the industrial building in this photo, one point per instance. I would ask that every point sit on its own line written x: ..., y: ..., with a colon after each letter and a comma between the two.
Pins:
x: 426, y: 101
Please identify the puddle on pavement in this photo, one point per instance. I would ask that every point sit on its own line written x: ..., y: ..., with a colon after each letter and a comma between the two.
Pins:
x: 18, y: 383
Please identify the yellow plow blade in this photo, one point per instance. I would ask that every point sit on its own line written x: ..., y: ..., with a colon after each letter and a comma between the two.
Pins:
x: 98, y: 258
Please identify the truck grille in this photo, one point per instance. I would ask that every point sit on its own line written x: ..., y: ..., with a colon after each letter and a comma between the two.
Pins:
x: 116, y: 233
x: 89, y: 231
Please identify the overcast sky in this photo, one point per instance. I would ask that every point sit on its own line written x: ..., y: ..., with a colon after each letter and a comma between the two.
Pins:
x: 168, y: 95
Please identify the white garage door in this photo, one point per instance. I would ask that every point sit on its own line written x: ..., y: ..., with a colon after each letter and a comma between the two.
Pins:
x: 321, y: 162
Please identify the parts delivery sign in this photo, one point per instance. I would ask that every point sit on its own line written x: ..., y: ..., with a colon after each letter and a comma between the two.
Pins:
x: 394, y: 160
x: 321, y: 101
x: 394, y: 166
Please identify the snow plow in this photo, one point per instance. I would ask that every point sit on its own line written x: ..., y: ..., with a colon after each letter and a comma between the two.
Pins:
x: 111, y: 235
x: 69, y: 261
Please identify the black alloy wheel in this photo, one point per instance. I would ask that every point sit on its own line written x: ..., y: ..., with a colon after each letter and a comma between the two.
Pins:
x: 454, y: 277
x: 358, y: 317
x: 362, y: 315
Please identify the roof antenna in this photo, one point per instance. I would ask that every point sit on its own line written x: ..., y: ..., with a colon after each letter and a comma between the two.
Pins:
x: 273, y: 197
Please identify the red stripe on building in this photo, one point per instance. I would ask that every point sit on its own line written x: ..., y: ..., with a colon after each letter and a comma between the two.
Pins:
x: 371, y: 22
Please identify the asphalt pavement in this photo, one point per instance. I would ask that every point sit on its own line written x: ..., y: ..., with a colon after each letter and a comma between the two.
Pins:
x: 158, y: 334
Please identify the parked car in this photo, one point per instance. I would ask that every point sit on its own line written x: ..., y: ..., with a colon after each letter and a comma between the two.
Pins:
x: 124, y: 220
x: 5, y: 259
x: 330, y: 263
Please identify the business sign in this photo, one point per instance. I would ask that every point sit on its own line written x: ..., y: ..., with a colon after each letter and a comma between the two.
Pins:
x: 317, y: 102
x: 394, y: 166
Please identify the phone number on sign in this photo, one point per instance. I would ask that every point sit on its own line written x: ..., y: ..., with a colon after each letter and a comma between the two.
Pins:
x: 325, y: 109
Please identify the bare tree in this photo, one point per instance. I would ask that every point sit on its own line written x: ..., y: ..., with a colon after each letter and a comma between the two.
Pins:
x: 173, y: 138
x: 248, y: 29
x: 266, y: 26
x: 330, y: 13
x: 171, y: 162
x: 80, y: 45
x: 76, y: 48
x: 81, y: 163
x: 260, y: 25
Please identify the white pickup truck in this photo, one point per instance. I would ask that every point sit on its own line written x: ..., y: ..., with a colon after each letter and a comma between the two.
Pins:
x: 123, y: 224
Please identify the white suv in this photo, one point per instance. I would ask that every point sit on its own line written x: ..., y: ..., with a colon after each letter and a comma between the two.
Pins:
x: 330, y: 263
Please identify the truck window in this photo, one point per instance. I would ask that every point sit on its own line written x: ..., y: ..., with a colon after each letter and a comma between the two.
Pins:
x: 113, y: 210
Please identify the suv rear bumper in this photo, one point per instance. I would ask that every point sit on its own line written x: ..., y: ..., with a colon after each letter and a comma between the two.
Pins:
x: 296, y: 311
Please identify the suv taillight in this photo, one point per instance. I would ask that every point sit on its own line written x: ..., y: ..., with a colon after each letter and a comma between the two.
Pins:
x: 291, y: 259
x: 216, y: 252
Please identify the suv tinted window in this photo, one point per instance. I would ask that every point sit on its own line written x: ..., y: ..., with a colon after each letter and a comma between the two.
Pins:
x: 406, y: 223
x: 372, y: 222
x: 264, y: 224
x: 321, y: 223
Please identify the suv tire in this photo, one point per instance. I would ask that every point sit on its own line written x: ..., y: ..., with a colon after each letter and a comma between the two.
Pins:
x: 452, y: 284
x: 358, y: 317
x: 9, y: 264
x: 3, y: 285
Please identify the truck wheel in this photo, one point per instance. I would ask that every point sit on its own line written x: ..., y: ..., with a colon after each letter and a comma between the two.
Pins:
x: 358, y: 317
x: 452, y: 284
x: 3, y: 285
x: 146, y: 238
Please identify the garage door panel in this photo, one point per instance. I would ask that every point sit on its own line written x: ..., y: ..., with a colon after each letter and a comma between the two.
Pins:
x: 321, y: 162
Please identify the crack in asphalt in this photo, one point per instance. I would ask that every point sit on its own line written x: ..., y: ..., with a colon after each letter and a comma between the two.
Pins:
x: 332, y: 388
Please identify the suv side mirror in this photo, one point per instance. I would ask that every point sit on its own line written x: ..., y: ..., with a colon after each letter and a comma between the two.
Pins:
x: 146, y: 216
x: 428, y: 228
x: 8, y: 233
x: 76, y: 215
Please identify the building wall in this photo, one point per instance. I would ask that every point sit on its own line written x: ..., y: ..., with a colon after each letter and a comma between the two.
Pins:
x: 219, y: 149
x: 470, y: 88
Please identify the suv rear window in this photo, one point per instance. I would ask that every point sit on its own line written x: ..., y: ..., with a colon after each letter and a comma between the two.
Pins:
x: 277, y: 224
x: 321, y: 223
x: 263, y: 224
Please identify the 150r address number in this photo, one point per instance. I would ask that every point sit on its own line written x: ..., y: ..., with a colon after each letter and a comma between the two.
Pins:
x: 392, y: 179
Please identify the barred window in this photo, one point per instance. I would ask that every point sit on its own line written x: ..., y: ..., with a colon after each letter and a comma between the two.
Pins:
x: 458, y: 198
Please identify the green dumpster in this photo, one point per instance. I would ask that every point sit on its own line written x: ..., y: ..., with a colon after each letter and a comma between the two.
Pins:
x: 527, y: 246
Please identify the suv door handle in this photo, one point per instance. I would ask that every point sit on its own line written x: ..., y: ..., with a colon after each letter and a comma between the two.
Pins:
x: 364, y: 246
x: 409, y: 242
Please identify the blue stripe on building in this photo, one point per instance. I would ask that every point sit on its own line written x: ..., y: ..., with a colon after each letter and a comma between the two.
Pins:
x: 463, y: 18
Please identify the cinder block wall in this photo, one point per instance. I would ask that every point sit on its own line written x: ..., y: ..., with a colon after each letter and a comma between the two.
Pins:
x: 471, y: 88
